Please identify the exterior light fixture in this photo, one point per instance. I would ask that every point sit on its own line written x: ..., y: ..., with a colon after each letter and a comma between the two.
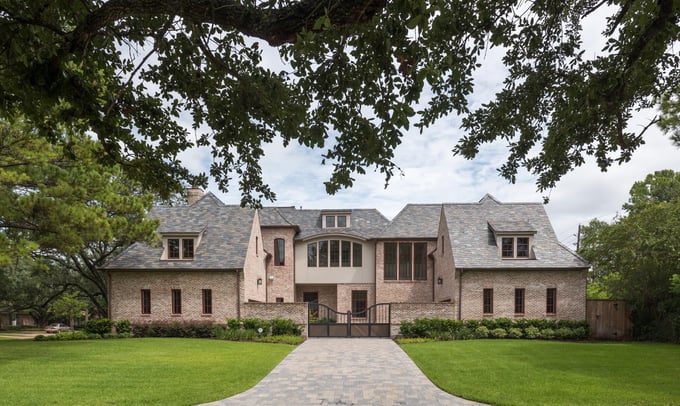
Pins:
x: 259, y: 281
x: 440, y: 281
x: 271, y: 277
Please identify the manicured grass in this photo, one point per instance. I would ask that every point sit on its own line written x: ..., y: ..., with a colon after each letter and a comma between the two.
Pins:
x: 141, y: 371
x: 522, y: 372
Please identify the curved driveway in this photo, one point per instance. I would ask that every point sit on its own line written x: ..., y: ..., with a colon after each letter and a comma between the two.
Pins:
x: 345, y: 371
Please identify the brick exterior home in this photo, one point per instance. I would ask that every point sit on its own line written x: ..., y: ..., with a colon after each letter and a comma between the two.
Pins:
x: 469, y: 261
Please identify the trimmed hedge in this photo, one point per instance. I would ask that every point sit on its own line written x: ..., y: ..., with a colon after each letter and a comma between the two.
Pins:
x: 182, y: 330
x: 446, y: 329
x: 234, y: 329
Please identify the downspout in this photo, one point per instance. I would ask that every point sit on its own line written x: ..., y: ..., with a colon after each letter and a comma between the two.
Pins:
x: 460, y: 293
x: 238, y: 294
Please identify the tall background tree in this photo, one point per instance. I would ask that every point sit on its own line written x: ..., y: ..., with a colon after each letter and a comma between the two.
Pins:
x: 62, y: 215
x: 359, y: 73
x: 637, y: 257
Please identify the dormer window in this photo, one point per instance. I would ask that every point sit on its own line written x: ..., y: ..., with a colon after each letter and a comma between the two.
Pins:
x: 179, y: 248
x: 515, y: 247
x: 514, y: 238
x: 335, y: 221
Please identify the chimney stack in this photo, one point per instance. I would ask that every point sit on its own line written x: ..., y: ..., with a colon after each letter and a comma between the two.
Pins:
x: 194, y: 194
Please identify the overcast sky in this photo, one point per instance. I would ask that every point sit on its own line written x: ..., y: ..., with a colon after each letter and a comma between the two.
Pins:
x: 431, y: 174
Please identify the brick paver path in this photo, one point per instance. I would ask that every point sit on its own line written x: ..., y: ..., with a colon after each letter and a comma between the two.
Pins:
x: 345, y: 371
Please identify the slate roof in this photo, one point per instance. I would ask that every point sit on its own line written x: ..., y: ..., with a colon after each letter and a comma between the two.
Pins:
x: 474, y: 245
x: 414, y: 221
x: 226, y: 231
x: 364, y: 223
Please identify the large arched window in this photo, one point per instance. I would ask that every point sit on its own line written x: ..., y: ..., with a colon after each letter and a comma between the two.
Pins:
x: 334, y: 254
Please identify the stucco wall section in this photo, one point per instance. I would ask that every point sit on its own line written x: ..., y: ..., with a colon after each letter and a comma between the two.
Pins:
x: 126, y: 289
x: 283, y: 284
x: 254, y: 267
x: 395, y: 291
x: 570, y: 285
x: 411, y: 311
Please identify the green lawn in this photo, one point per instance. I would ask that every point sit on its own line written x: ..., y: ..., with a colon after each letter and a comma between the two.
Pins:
x: 142, y: 371
x: 521, y: 372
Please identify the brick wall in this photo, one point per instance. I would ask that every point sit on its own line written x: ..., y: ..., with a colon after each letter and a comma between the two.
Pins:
x: 328, y: 294
x: 269, y: 311
x: 283, y: 284
x: 126, y: 289
x: 393, y: 291
x: 411, y: 311
x: 344, y: 303
x: 570, y: 285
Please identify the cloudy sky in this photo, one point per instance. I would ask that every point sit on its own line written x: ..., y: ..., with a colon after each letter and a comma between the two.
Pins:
x: 431, y: 174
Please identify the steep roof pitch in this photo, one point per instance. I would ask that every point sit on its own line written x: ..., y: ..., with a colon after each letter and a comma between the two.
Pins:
x: 224, y: 242
x: 364, y: 223
x: 473, y: 244
x: 414, y: 221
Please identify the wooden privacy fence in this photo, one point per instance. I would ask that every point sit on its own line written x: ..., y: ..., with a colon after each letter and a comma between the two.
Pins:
x: 609, y: 319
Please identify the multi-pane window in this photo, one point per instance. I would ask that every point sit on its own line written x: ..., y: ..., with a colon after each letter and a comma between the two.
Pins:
x: 336, y: 221
x: 519, y: 301
x: 405, y: 261
x: 515, y: 247
x: 551, y: 301
x: 180, y: 248
x: 176, y: 301
x: 334, y: 253
x: 359, y: 302
x: 207, y: 301
x: 146, y: 301
x: 488, y: 301
x: 279, y: 252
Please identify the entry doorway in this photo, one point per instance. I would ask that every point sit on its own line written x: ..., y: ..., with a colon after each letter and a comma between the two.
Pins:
x: 313, y: 299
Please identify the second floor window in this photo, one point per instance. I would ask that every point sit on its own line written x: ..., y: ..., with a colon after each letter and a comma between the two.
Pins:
x: 334, y: 254
x: 405, y: 261
x: 180, y: 248
x: 279, y: 252
x: 515, y: 247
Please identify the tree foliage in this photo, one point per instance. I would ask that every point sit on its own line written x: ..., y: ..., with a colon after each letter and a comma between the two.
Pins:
x: 359, y: 73
x: 637, y: 257
x: 63, y: 212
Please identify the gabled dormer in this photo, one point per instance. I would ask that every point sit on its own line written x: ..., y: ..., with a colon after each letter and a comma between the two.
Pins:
x: 514, y: 239
x: 331, y: 219
x: 180, y: 245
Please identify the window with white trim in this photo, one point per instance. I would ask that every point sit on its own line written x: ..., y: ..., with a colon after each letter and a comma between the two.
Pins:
x: 335, y: 221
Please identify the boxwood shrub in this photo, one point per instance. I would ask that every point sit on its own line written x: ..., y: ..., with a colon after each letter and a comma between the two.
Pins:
x: 445, y: 329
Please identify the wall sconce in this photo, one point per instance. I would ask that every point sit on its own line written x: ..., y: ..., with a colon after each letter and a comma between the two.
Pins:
x: 440, y: 281
x: 271, y: 277
x: 259, y: 281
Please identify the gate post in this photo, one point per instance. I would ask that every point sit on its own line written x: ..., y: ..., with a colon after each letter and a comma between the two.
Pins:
x: 349, y: 323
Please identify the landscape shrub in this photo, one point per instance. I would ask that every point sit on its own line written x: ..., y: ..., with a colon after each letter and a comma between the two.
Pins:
x: 285, y: 327
x: 182, y: 330
x: 482, y: 332
x: 514, y: 332
x: 463, y: 333
x: 255, y: 324
x: 532, y: 332
x: 123, y: 326
x: 547, y: 333
x: 98, y: 326
x: 247, y: 330
x: 498, y: 333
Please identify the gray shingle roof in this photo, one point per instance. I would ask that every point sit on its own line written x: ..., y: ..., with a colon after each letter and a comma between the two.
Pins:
x: 474, y: 246
x: 414, y: 221
x: 364, y: 223
x: 226, y: 231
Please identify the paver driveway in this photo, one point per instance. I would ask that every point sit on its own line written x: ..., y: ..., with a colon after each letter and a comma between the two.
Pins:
x: 345, y: 371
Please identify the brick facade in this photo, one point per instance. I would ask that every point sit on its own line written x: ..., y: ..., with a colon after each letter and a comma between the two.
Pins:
x: 396, y: 291
x: 125, y: 295
x: 269, y: 311
x: 411, y: 311
x: 280, y: 279
x: 570, y: 285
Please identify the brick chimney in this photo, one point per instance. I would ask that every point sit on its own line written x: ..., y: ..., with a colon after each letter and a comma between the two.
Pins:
x: 194, y: 194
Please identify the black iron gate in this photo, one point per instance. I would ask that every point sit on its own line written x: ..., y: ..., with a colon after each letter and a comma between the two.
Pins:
x: 327, y: 322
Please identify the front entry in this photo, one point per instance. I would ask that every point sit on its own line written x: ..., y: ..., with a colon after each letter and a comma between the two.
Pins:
x: 326, y: 322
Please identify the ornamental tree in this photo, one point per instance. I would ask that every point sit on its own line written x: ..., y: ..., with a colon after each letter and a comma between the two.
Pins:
x: 358, y: 74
